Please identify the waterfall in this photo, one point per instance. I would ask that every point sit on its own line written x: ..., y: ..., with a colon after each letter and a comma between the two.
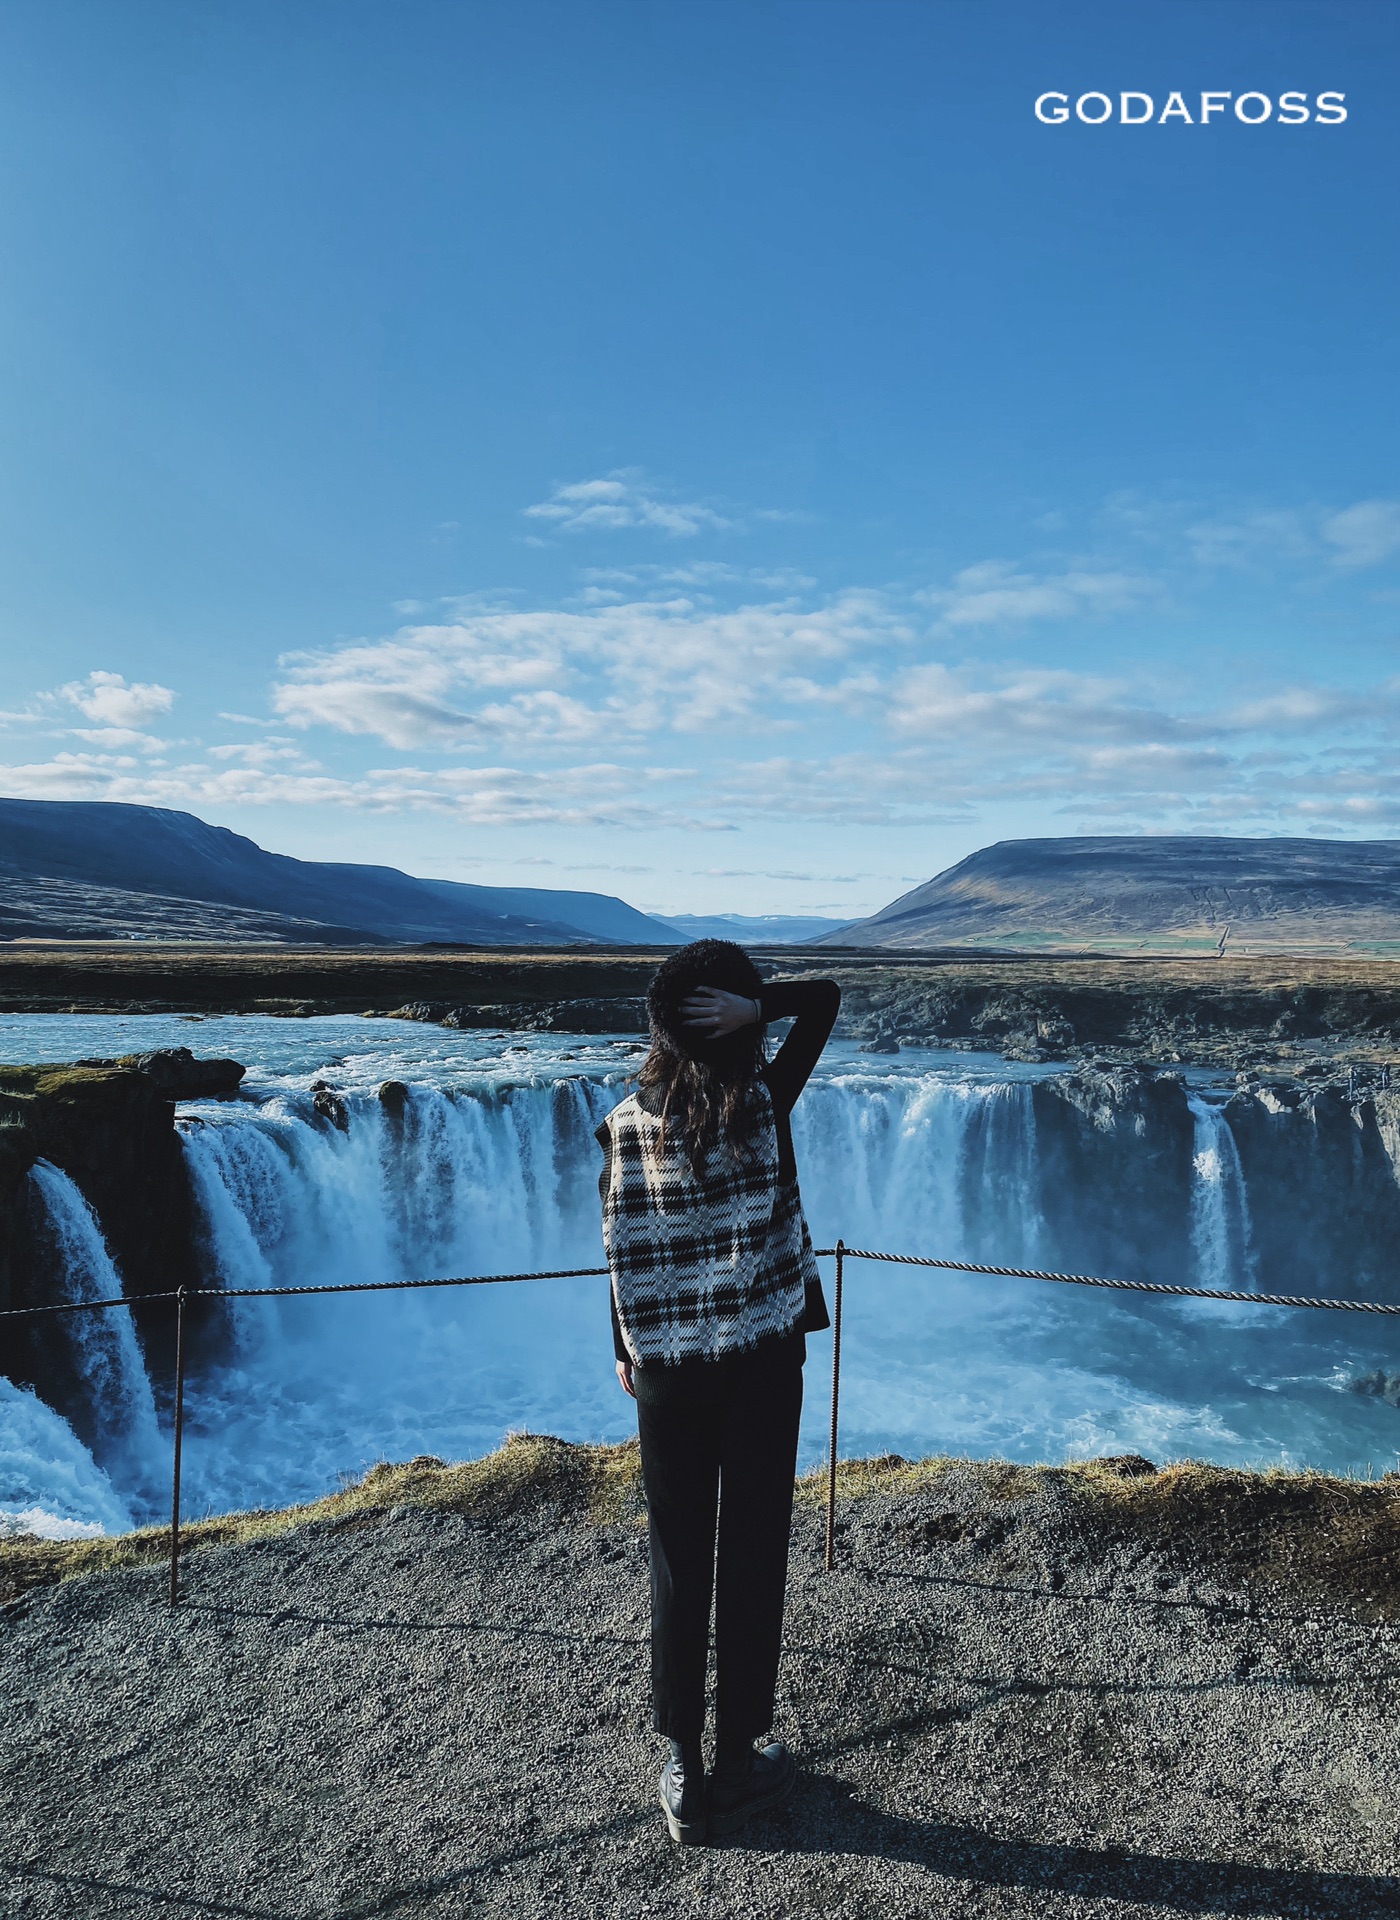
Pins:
x: 1221, y: 1239
x: 127, y: 1443
x: 491, y: 1167
x: 50, y: 1484
x: 468, y: 1182
x: 921, y: 1165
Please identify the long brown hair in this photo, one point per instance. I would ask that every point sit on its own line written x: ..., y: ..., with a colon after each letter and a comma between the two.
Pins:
x: 708, y: 1087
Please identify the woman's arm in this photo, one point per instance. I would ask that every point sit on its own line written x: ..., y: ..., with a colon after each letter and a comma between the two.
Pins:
x: 624, y: 1361
x: 812, y: 1006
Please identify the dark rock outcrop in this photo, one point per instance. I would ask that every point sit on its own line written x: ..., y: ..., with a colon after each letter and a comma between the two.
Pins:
x: 598, y: 1013
x: 330, y: 1106
x: 180, y: 1076
x: 1125, y: 1138
x: 393, y: 1097
x: 1224, y: 1015
x: 1320, y: 1164
x: 111, y: 1128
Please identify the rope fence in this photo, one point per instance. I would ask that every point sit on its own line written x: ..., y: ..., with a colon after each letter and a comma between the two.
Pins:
x: 841, y: 1253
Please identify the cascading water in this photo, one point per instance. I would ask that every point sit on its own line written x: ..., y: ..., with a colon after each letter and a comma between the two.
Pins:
x: 49, y: 1483
x: 496, y: 1181
x: 486, y: 1163
x: 1220, y: 1228
x: 127, y: 1443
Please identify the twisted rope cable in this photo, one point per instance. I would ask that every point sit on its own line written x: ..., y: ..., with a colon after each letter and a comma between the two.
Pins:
x: 278, y: 1293
x: 1125, y: 1286
x: 822, y: 1253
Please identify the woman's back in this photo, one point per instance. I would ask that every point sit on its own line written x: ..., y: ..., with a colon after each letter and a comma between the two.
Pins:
x: 709, y: 1254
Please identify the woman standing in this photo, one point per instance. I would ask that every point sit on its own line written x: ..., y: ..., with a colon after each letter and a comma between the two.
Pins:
x: 714, y: 1288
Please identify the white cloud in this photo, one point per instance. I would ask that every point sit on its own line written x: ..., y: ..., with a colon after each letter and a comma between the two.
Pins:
x: 619, y: 671
x: 1252, y: 539
x: 271, y: 752
x: 115, y: 737
x: 108, y: 698
x: 601, y: 794
x: 864, y: 708
x: 701, y: 575
x: 946, y: 743
x: 995, y: 593
x: 394, y: 714
x: 622, y: 500
x: 1258, y: 539
x: 1303, y: 707
x: 1365, y: 535
x: 938, y: 701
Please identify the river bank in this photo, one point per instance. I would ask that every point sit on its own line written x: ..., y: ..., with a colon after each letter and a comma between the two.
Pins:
x: 1281, y: 1015
x: 1098, y: 1691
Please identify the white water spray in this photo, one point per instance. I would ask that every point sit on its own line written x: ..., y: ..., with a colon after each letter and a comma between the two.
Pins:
x: 127, y: 1442
x: 1220, y: 1229
x: 50, y: 1485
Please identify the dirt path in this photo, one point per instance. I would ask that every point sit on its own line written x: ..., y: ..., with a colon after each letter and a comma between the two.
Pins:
x: 431, y: 1713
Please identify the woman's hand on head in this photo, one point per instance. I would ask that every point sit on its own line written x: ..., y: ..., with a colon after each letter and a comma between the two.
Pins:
x: 624, y: 1377
x: 713, y: 1012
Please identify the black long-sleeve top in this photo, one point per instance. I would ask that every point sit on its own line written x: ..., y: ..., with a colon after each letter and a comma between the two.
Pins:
x: 812, y: 1006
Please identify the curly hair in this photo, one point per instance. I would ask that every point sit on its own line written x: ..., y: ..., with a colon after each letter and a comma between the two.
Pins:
x: 707, y: 1085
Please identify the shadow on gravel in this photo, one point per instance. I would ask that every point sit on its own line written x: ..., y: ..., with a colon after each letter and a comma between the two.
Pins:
x: 398, y: 1623
x: 391, y: 1900
x: 133, y: 1896
x: 1257, y: 1609
x: 824, y: 1819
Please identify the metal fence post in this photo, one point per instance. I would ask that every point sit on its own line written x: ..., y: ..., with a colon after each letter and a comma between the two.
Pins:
x: 835, y: 1408
x: 179, y: 1441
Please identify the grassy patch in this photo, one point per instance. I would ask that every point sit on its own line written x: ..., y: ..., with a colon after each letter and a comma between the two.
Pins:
x: 892, y: 1474
x: 1307, y: 1535
x: 60, y: 1081
x: 1312, y: 1535
x: 594, y: 1485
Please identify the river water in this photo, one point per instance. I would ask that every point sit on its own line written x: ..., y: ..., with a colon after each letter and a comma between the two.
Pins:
x: 492, y: 1167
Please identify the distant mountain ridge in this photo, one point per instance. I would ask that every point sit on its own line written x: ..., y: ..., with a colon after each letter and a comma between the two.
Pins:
x: 753, y: 929
x: 1168, y: 893
x: 101, y: 869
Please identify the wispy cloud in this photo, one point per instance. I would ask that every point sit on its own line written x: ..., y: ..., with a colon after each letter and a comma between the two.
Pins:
x: 683, y: 692
x: 1260, y: 539
x: 626, y: 670
x: 1365, y: 535
x: 997, y: 593
x: 936, y: 701
x: 622, y: 500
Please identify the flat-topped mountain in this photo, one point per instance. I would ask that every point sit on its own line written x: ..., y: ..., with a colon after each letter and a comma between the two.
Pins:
x: 1162, y: 893
x: 77, y: 869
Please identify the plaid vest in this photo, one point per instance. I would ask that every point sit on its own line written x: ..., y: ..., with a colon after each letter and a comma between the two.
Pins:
x: 702, y: 1265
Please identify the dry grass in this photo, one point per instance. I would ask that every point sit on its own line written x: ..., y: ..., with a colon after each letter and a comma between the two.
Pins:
x: 1310, y: 1535
x: 892, y: 1474
x: 593, y: 1485
x: 54, y: 1081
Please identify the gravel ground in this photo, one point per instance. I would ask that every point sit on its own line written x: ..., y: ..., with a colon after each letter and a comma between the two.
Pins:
x: 418, y: 1712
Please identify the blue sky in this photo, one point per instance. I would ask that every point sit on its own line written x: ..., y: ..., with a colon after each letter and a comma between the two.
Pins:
x: 731, y: 455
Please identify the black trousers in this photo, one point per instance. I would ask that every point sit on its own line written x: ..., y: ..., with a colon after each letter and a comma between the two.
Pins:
x: 719, y: 1451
